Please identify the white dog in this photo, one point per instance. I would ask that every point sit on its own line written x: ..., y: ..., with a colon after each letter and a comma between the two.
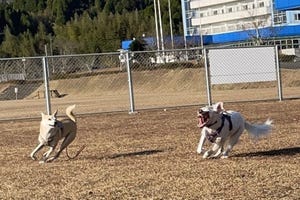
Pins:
x: 52, y: 131
x: 224, y: 128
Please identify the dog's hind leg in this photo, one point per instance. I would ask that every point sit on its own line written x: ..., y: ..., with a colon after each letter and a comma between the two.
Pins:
x: 39, y: 147
x: 68, y: 140
x: 231, y: 142
x: 48, y: 153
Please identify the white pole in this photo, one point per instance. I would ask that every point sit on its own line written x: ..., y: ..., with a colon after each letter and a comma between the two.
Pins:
x: 46, y: 82
x: 171, y: 27
x: 156, y: 25
x: 160, y: 26
x: 207, y: 75
x: 16, y: 92
x: 200, y: 29
x: 278, y: 74
x: 130, y: 86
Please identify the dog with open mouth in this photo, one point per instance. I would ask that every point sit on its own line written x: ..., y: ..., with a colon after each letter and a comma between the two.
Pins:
x: 52, y: 131
x: 224, y: 128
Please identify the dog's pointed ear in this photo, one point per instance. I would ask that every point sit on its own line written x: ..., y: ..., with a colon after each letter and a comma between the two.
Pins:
x: 218, y: 107
x: 55, y: 113
x: 43, y: 115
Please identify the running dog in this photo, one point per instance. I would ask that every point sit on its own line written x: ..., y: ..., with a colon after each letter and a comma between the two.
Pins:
x: 224, y: 128
x: 52, y: 131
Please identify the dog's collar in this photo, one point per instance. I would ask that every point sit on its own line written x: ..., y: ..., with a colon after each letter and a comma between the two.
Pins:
x: 209, y: 125
x: 212, y: 137
x: 59, y: 124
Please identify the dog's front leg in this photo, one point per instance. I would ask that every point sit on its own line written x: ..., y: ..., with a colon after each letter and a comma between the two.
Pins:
x: 216, y: 148
x: 47, y: 154
x: 204, y: 133
x: 39, y: 147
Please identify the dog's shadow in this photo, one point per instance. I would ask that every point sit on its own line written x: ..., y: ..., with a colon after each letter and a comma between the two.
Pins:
x: 138, y: 153
x: 130, y: 154
x: 278, y: 152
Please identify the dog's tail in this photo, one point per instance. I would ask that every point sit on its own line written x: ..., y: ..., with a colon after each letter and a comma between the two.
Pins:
x: 70, y: 114
x: 258, y: 130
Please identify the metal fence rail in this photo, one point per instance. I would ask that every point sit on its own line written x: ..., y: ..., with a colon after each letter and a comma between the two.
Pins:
x: 129, y: 81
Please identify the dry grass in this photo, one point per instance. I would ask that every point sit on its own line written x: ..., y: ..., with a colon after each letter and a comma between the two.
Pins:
x: 152, y: 155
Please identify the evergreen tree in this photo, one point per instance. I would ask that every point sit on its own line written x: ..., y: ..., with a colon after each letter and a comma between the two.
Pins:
x: 26, y: 45
x: 78, y: 26
x: 9, y: 46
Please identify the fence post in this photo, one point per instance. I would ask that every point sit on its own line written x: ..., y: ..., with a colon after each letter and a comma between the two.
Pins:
x: 46, y: 83
x: 130, y: 87
x: 207, y: 77
x: 278, y: 74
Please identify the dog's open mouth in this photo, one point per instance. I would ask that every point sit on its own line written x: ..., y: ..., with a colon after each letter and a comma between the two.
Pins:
x: 203, y: 118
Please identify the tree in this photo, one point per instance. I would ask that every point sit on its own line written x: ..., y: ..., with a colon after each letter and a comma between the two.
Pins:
x: 26, y: 45
x: 78, y: 26
x: 41, y: 39
x: 10, y: 44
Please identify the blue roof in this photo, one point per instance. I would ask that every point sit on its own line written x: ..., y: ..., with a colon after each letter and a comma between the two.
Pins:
x: 287, y: 4
x: 237, y: 36
x: 268, y: 32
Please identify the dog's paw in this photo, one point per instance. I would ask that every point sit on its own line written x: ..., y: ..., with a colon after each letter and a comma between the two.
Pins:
x: 218, y: 140
x: 33, y: 157
x: 218, y: 153
x: 224, y: 157
x: 50, y: 159
x: 200, y: 150
x: 206, y: 154
x: 41, y: 162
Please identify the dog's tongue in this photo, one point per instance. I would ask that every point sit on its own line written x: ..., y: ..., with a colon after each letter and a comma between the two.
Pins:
x: 200, y: 122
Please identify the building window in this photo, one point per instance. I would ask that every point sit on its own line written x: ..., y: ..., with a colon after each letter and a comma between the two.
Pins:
x: 297, y: 17
x: 215, y: 12
x: 261, y: 4
x: 230, y: 10
x: 279, y: 18
x: 245, y: 7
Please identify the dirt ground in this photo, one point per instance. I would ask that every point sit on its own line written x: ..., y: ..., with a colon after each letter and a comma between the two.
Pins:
x: 152, y: 155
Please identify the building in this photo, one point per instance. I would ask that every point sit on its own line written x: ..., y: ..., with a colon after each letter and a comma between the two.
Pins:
x: 243, y: 22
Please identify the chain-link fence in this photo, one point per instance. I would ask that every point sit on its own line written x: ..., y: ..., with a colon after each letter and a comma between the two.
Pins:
x: 252, y: 74
x: 129, y: 81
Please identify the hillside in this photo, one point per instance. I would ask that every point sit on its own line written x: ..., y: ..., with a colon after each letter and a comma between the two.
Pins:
x: 156, y: 81
x: 73, y: 26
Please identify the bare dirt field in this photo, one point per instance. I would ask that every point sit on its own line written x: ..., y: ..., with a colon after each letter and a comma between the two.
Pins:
x: 152, y: 155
